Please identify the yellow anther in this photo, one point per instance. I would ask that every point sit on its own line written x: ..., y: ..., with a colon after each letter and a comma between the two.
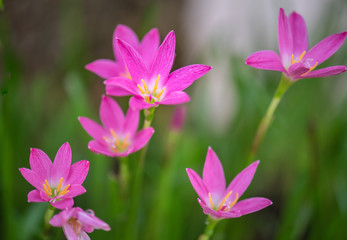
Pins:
x: 156, y: 85
x: 235, y: 200
x: 113, y: 133
x: 59, y: 184
x: 107, y: 139
x: 145, y: 86
x: 302, y: 55
x: 222, y: 203
x: 311, y: 68
x: 141, y: 90
x: 48, y: 188
x: 161, y: 92
x: 209, y: 196
x: 64, y: 191
x: 292, y: 59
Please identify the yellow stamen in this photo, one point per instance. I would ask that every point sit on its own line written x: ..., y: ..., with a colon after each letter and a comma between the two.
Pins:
x: 45, y: 189
x: 118, y: 143
x: 311, y: 68
x: 156, y: 84
x: 48, y: 187
x: 145, y: 86
x: 158, y: 96
x: 292, y: 59
x: 235, y: 200
x: 141, y: 90
x: 209, y: 196
x: 59, y: 184
x: 222, y: 203
x: 113, y: 133
x: 64, y: 191
x: 106, y: 139
x: 302, y: 55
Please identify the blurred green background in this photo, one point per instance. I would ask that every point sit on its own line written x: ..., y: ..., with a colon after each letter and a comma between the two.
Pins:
x: 44, y: 87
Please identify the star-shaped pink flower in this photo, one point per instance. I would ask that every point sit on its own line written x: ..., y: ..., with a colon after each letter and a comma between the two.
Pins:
x: 153, y: 85
x: 296, y: 61
x: 57, y: 182
x: 218, y: 201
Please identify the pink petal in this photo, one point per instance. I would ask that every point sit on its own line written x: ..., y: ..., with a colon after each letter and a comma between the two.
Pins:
x: 241, y: 182
x: 213, y: 174
x: 297, y: 69
x: 133, y: 61
x: 197, y: 184
x: 149, y: 46
x: 69, y: 232
x: 34, y: 196
x: 40, y: 163
x: 97, y: 147
x: 83, y: 236
x: 218, y: 214
x: 62, y: 217
x: 325, y: 72
x: 285, y: 39
x: 184, y: 77
x: 265, y: 59
x: 111, y: 114
x: 126, y: 34
x: 121, y: 86
x: 105, y: 68
x: 174, y: 98
x: 92, y: 128
x: 325, y: 48
x: 86, y: 218
x: 78, y: 172
x: 131, y: 122
x: 251, y: 205
x: 75, y: 190
x: 142, y: 138
x: 299, y: 33
x: 61, y: 164
x: 139, y: 104
x: 33, y: 178
x: 63, y: 203
x: 165, y: 57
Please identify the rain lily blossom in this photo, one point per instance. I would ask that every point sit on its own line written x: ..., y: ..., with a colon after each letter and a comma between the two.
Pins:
x: 147, y: 48
x: 153, y: 85
x: 76, y: 223
x: 57, y: 182
x: 118, y: 136
x: 218, y: 201
x: 295, y: 60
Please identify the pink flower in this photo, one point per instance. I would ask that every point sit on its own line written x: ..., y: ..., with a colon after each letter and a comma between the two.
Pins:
x: 57, y: 182
x: 147, y: 48
x: 76, y: 223
x: 152, y: 85
x: 118, y: 136
x: 296, y: 61
x: 221, y: 202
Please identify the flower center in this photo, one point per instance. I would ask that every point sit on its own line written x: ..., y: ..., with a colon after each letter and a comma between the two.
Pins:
x: 292, y: 61
x: 225, y: 205
x: 55, y: 193
x: 76, y: 225
x: 117, y: 144
x: 153, y: 96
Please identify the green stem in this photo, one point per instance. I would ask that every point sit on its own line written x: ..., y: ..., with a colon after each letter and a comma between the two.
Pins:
x: 46, y: 225
x: 124, y: 175
x: 283, y: 86
x: 210, y: 225
x: 132, y: 226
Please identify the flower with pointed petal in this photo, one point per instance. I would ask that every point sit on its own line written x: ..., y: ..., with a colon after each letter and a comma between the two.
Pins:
x: 76, y: 223
x: 147, y: 48
x: 118, y: 136
x: 154, y: 85
x: 218, y: 201
x: 57, y: 182
x: 296, y: 61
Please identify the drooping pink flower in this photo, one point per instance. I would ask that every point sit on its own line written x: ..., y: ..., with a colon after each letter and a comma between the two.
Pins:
x: 147, y: 48
x: 118, y: 136
x: 154, y: 85
x: 218, y: 201
x: 57, y: 182
x: 296, y: 61
x: 76, y: 223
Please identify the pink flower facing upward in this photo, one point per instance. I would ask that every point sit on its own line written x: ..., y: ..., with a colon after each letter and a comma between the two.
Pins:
x: 119, y: 135
x: 57, y: 182
x: 296, y: 61
x: 76, y: 223
x: 219, y: 202
x: 147, y: 48
x: 152, y: 85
